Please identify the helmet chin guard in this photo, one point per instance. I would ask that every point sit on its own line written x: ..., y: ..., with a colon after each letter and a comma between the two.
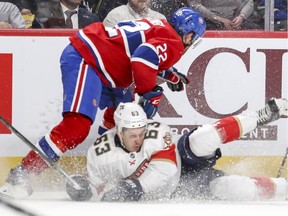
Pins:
x: 186, y: 20
x: 129, y: 115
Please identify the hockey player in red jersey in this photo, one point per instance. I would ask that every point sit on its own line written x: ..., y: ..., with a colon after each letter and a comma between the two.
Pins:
x: 98, y: 67
x: 137, y: 160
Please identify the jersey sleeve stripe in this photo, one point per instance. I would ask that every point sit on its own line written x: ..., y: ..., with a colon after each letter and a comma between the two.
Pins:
x: 126, y: 44
x: 166, y: 155
x: 97, y: 57
x: 132, y: 44
x: 146, y: 54
x: 147, y: 63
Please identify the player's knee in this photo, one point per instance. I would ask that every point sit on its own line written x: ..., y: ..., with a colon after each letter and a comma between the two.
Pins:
x: 233, y: 188
x: 204, y: 141
x: 190, y: 159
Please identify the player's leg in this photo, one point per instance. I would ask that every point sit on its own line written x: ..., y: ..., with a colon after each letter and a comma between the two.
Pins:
x: 110, y: 99
x: 81, y: 95
x: 207, y: 138
x: 242, y: 188
x: 274, y: 109
x: 234, y: 127
x: 82, y: 89
x: 200, y: 148
x: 195, y: 184
x: 107, y: 121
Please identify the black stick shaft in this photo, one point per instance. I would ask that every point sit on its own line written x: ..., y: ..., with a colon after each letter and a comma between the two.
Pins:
x: 17, y: 208
x: 282, y: 164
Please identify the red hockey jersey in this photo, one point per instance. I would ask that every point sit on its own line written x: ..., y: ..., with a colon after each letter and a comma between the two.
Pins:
x: 132, y: 51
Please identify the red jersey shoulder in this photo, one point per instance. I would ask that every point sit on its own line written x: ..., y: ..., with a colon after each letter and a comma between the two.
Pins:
x: 96, y: 29
x: 161, y: 28
x: 166, y: 41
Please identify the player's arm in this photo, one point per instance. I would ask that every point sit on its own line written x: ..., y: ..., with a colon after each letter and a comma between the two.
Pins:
x: 174, y: 79
x: 157, y: 180
x: 89, y: 180
x: 94, y: 180
x: 100, y: 157
x: 156, y: 58
x: 164, y: 165
x: 93, y: 173
x: 145, y: 67
x: 161, y: 173
x: 150, y: 59
x: 144, y: 64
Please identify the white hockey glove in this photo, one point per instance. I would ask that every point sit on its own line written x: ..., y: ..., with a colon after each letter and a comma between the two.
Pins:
x: 128, y: 190
x: 174, y: 79
x: 84, y: 194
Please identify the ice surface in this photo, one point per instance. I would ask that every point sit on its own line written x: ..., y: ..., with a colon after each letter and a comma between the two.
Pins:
x: 58, y: 203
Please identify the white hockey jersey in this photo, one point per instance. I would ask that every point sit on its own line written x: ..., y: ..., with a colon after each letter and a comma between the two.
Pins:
x: 157, y: 165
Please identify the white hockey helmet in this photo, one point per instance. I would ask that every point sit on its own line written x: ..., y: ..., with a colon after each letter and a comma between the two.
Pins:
x: 129, y: 115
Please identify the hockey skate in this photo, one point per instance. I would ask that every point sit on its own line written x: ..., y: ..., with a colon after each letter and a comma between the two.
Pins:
x: 274, y: 109
x: 17, y: 184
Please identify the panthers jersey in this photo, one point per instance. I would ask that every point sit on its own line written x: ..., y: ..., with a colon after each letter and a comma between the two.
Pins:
x: 156, y: 165
x: 132, y: 51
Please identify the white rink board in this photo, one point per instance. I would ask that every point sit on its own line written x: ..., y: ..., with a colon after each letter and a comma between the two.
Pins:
x: 37, y: 90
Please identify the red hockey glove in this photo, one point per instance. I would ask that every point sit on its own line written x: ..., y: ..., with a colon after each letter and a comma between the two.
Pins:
x: 108, y: 121
x: 174, y: 79
x: 150, y: 101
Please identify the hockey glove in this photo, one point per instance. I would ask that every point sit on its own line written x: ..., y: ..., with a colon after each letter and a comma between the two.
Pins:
x: 83, y: 194
x: 174, y: 79
x: 128, y: 190
x: 150, y: 101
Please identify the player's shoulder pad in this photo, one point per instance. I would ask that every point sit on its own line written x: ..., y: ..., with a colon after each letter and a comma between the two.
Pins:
x: 104, y: 141
x: 160, y: 132
x: 156, y: 125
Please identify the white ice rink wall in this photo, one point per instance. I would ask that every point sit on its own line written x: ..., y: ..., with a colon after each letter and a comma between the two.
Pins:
x: 230, y: 72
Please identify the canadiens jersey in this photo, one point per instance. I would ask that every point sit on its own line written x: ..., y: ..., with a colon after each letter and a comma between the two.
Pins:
x: 156, y: 166
x: 132, y: 51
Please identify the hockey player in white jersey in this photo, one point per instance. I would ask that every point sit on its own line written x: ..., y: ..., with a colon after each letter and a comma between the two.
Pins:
x: 138, y: 160
x: 138, y: 156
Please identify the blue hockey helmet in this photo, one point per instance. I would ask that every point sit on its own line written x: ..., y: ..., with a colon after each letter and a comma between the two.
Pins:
x: 186, y: 20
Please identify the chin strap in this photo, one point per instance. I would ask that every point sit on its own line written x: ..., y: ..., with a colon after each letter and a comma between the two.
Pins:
x: 185, y: 45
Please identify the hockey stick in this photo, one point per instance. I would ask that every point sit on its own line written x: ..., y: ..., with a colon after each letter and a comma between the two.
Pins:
x: 16, y: 207
x: 282, y: 164
x: 42, y: 155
